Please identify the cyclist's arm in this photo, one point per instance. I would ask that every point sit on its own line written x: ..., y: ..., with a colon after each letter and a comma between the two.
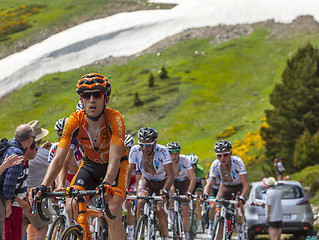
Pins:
x: 114, y: 163
x: 170, y: 176
x: 203, y: 181
x: 55, y: 166
x: 60, y: 180
x: 246, y: 186
x: 209, y: 185
x: 192, y: 179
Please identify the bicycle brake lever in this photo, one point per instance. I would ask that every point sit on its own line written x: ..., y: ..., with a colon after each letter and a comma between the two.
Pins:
x: 105, y: 206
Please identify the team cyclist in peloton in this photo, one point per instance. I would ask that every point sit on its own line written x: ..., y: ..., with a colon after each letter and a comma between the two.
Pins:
x: 154, y: 164
x: 211, y: 211
x: 131, y: 186
x: 231, y: 172
x: 101, y: 132
x: 184, y: 180
x: 199, y: 187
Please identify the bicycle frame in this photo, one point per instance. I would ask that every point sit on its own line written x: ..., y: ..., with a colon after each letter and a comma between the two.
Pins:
x: 226, y: 233
x: 149, y: 213
x: 83, y: 212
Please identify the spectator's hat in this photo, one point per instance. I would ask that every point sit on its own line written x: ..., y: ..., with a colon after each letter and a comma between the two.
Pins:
x: 38, y: 131
x: 263, y: 182
x: 270, y: 182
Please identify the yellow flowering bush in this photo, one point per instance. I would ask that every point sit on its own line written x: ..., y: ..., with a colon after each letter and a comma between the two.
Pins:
x: 228, y: 132
x: 16, y: 19
x: 249, y: 148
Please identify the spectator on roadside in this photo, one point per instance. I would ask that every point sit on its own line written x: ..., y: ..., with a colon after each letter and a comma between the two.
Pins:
x: 23, y: 138
x: 37, y: 228
x: 13, y: 224
x: 273, y: 208
x: 280, y: 169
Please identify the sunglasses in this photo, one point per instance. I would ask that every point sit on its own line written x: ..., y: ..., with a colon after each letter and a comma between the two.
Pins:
x: 146, y: 144
x: 225, y: 154
x: 96, y: 95
x: 33, y: 137
x: 173, y: 151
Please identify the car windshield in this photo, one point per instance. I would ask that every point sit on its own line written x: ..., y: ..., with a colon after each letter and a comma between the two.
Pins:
x: 287, y: 191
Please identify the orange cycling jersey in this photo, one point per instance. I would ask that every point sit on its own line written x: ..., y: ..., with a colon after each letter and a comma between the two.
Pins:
x: 112, y: 132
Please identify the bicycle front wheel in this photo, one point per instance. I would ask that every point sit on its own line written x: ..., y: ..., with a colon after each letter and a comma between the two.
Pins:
x: 219, y: 229
x: 57, y: 228
x: 142, y: 230
x: 178, y: 230
x: 72, y: 233
x: 192, y: 227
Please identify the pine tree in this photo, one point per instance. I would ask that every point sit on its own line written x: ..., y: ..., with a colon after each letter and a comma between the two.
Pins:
x: 151, y: 80
x: 295, y: 102
x: 163, y: 73
x: 137, y: 100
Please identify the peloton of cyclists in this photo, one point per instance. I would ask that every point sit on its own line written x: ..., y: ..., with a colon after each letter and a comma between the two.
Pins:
x: 101, y: 132
x: 231, y: 172
x: 185, y: 180
x: 153, y: 164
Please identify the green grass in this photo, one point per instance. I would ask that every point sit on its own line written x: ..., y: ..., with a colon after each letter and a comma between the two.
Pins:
x: 227, y: 85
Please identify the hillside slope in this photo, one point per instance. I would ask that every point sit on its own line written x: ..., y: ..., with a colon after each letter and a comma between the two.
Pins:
x: 219, y: 77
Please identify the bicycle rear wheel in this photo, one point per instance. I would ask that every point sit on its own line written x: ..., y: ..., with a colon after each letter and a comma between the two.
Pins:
x: 72, y: 233
x: 141, y: 231
x: 57, y: 228
x: 218, y: 229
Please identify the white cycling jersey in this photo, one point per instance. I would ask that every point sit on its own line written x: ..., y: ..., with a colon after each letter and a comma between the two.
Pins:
x: 237, y: 168
x: 161, y: 158
x: 183, y: 167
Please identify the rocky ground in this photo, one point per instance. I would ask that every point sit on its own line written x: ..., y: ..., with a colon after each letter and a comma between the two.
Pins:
x: 223, y: 33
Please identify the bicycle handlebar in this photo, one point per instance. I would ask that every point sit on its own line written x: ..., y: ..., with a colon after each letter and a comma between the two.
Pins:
x: 69, y: 193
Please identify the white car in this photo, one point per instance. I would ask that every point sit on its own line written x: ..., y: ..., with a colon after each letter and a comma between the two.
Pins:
x: 297, y: 213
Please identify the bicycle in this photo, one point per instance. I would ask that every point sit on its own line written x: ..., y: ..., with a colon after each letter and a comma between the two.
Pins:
x: 81, y: 230
x: 192, y: 215
x: 147, y: 222
x: 222, y: 224
x: 60, y: 223
x: 178, y: 228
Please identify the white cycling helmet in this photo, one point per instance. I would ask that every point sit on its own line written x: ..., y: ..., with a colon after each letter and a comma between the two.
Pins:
x: 59, y: 125
x: 129, y: 141
x: 79, y: 106
x: 192, y: 158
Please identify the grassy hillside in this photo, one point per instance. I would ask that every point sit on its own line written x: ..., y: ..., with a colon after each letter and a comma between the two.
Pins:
x: 210, y: 87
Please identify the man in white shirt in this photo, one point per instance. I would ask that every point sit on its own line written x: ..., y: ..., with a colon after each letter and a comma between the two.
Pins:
x: 273, y: 209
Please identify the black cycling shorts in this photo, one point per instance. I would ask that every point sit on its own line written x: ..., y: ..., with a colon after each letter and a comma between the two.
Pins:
x: 91, y: 174
x: 277, y: 224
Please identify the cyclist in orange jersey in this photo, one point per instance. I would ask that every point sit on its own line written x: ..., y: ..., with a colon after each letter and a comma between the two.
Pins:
x: 101, y: 132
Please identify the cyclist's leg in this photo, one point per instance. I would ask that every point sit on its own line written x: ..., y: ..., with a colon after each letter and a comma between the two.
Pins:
x: 161, y: 215
x: 142, y: 190
x: 129, y: 215
x: 183, y: 187
x: 198, y: 209
x: 116, y: 228
x: 240, y: 217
